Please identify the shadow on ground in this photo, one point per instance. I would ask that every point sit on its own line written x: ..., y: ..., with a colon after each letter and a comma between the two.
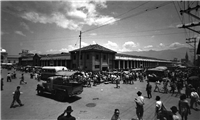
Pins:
x: 69, y: 100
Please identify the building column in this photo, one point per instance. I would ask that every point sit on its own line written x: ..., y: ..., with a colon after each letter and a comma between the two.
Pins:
x: 136, y: 64
x: 123, y: 64
x: 131, y: 64
x: 127, y: 64
x: 140, y: 64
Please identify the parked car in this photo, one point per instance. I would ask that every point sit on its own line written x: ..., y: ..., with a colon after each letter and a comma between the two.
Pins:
x: 61, y: 87
x: 155, y: 74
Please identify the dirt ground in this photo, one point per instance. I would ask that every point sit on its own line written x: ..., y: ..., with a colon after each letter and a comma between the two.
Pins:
x: 95, y: 103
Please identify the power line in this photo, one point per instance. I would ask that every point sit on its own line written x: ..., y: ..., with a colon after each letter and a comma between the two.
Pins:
x: 64, y: 38
x: 136, y: 31
x: 150, y: 9
x: 132, y: 9
x: 109, y: 37
x: 180, y: 18
x: 141, y: 35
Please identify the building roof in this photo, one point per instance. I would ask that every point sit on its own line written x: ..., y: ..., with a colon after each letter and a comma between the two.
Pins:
x: 139, y: 57
x: 94, y: 47
x: 13, y: 56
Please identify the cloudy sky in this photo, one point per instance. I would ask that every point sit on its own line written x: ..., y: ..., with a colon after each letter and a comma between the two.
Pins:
x: 54, y: 26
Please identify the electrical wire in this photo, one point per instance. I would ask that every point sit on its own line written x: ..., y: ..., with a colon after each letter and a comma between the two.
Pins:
x: 107, y: 22
x: 153, y: 8
x: 139, y: 35
x: 180, y: 18
x: 135, y: 31
x: 39, y: 42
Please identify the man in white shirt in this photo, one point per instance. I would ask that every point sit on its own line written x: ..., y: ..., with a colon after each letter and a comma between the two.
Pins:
x: 139, y: 105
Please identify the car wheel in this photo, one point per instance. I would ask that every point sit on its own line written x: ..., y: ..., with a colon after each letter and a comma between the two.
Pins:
x: 39, y: 92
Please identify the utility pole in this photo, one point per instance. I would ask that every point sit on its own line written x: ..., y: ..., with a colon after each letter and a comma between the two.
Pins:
x: 188, y: 11
x: 192, y: 40
x: 80, y: 51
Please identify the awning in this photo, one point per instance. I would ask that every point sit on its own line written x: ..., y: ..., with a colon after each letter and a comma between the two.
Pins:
x: 67, y: 73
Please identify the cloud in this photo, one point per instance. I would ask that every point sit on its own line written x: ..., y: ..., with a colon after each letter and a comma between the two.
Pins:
x: 93, y: 34
x: 52, y: 51
x: 148, y: 46
x: 93, y: 42
x: 111, y: 45
x: 72, y: 14
x: 20, y: 33
x: 129, y: 46
x: 161, y: 45
x: 35, y: 51
x: 176, y: 45
x: 25, y: 26
x: 69, y: 48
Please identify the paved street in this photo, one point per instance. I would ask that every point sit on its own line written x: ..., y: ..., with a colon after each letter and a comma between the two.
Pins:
x: 94, y: 103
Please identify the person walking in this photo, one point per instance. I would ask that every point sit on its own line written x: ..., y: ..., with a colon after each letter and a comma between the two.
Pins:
x: 183, y: 106
x: 194, y: 98
x: 179, y: 87
x: 156, y: 87
x: 139, y: 105
x: 165, y: 84
x: 173, y: 87
x: 149, y: 89
x: 117, y: 81
x: 188, y: 90
x: 8, y: 77
x: 66, y: 115
x: 22, y: 80
x: 16, y: 97
x: 160, y: 109
x: 116, y: 115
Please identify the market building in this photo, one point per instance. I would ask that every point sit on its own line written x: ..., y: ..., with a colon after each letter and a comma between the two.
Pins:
x: 92, y: 58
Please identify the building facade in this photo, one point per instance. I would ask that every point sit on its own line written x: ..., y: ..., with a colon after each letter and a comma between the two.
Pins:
x: 13, y: 59
x: 93, y: 58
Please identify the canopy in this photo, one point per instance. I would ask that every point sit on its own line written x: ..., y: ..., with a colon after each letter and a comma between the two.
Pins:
x: 137, y: 69
x: 155, y: 69
x: 161, y: 67
x: 66, y: 73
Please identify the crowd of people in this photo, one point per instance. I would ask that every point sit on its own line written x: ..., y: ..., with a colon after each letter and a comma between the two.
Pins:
x: 175, y: 79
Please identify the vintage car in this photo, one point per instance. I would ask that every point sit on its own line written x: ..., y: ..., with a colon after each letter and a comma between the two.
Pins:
x: 61, y: 87
x: 155, y: 74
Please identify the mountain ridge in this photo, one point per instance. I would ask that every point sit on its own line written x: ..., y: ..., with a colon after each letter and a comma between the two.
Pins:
x: 168, y: 54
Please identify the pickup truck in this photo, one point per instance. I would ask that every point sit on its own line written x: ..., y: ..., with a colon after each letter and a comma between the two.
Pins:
x: 61, y: 87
